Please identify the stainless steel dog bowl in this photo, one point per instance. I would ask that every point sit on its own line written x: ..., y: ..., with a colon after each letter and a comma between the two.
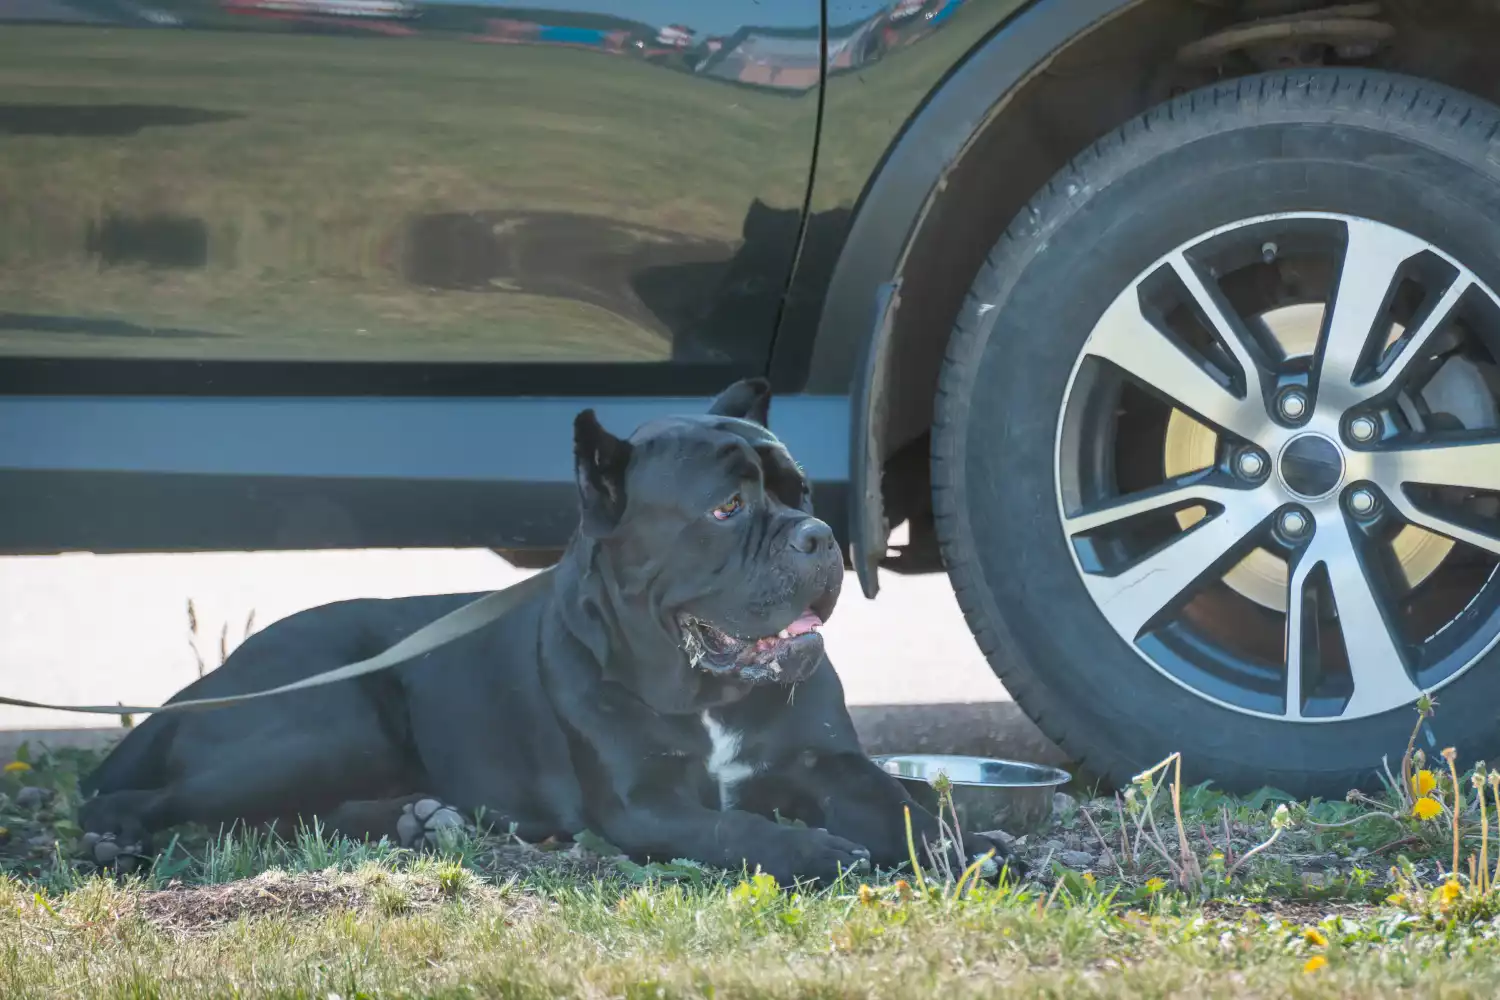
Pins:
x: 988, y: 794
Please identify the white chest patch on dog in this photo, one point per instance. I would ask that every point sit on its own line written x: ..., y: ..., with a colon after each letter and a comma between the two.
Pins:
x: 723, y: 763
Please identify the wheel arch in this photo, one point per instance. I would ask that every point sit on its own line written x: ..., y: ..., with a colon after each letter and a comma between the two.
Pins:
x: 1041, y: 87
x: 892, y: 296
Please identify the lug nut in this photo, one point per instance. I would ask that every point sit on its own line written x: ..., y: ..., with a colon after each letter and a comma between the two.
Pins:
x: 1293, y: 523
x: 1362, y: 429
x: 1250, y: 464
x: 1293, y: 404
x: 1362, y: 503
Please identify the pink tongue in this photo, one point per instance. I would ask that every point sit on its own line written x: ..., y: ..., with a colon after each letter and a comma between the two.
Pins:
x: 807, y: 623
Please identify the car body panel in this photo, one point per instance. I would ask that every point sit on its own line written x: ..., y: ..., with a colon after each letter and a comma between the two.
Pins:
x: 326, y: 183
x: 331, y: 273
x: 111, y: 473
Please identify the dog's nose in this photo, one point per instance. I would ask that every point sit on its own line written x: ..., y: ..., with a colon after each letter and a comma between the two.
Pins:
x: 812, y: 536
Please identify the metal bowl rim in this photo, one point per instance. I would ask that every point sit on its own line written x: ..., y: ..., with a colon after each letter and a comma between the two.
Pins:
x: 1054, y: 775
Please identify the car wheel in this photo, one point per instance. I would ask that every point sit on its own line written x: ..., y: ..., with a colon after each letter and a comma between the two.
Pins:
x: 1216, y: 456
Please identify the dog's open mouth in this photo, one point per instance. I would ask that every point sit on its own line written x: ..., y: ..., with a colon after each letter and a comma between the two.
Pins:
x: 712, y: 649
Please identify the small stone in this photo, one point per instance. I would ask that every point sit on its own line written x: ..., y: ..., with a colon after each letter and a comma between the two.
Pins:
x: 31, y: 797
x: 444, y: 819
x: 1063, y: 804
x: 105, y: 852
x: 1052, y: 845
x: 999, y: 837
x: 425, y: 808
x: 1076, y: 859
x: 44, y: 842
x: 408, y: 829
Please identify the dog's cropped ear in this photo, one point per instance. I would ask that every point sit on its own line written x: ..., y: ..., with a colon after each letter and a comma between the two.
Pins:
x: 748, y: 399
x: 599, y: 461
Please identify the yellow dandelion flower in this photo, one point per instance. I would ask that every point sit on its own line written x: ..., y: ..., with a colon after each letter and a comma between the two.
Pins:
x: 1088, y: 878
x: 1426, y: 808
x: 17, y: 765
x: 1314, y: 964
x: 1422, y: 783
x: 1450, y: 891
x: 866, y: 895
x: 1155, y: 884
x: 1315, y: 937
x: 1396, y: 899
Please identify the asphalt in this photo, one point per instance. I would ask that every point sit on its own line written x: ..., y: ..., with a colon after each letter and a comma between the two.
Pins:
x: 102, y: 629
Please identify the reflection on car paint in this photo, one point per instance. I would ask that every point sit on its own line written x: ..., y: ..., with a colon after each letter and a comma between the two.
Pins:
x: 864, y: 113
x: 385, y: 180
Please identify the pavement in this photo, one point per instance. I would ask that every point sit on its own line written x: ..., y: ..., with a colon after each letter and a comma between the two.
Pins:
x: 100, y: 629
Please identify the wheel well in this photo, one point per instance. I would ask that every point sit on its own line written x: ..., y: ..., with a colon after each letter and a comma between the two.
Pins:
x: 1094, y: 84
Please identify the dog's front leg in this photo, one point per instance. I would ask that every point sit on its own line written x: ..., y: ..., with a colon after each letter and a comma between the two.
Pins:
x: 857, y: 799
x: 731, y: 839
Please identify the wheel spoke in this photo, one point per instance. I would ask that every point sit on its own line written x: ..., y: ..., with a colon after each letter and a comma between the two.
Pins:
x: 1126, y: 338
x: 1376, y: 663
x: 1372, y: 257
x: 1197, y: 487
x: 1416, y: 340
x: 1132, y: 598
x: 1471, y: 465
x: 1296, y: 629
x: 1226, y: 325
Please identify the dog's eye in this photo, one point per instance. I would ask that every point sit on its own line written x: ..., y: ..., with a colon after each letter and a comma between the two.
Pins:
x: 726, y: 510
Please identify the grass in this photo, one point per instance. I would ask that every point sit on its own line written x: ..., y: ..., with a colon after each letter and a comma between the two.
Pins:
x: 433, y: 928
x: 1185, y: 892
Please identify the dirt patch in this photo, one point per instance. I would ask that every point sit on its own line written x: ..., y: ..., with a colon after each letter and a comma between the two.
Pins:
x: 1290, y: 911
x: 202, y: 907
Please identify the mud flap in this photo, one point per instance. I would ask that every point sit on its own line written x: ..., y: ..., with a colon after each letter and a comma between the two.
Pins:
x: 867, y: 528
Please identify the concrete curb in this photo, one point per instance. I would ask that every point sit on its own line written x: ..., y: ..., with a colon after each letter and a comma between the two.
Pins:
x: 985, y: 729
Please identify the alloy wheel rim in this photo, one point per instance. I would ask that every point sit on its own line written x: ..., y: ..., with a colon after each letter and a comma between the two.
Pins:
x: 1329, y: 550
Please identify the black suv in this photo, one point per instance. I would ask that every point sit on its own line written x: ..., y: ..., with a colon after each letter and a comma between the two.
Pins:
x: 1167, y: 327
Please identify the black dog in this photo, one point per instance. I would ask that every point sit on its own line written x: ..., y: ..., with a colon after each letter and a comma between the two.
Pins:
x: 669, y: 690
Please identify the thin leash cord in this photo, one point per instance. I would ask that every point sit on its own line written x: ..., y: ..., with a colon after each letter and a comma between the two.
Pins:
x: 455, y: 624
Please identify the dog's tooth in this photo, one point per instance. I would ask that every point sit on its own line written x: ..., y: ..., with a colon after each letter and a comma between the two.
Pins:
x: 784, y: 634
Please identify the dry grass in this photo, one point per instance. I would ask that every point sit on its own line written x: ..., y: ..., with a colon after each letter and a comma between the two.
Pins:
x: 374, y: 933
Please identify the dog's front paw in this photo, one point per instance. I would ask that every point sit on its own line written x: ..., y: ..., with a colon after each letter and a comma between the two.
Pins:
x: 815, y: 855
x: 1000, y: 857
x: 106, y: 851
x: 428, y: 823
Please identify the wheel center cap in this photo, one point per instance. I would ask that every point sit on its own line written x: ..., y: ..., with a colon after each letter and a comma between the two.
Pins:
x: 1311, y: 466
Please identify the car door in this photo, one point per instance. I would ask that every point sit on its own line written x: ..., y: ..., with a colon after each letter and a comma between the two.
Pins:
x: 265, y: 255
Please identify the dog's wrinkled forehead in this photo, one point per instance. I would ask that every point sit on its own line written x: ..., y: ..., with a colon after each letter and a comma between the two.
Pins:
x: 695, y: 459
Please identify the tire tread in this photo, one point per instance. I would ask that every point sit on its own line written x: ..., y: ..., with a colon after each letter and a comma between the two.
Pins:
x: 1377, y: 95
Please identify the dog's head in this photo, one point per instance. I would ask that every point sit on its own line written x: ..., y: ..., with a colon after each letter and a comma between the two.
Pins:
x: 708, y: 541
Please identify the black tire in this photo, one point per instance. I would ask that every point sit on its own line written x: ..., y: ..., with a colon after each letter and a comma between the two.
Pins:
x: 1400, y: 151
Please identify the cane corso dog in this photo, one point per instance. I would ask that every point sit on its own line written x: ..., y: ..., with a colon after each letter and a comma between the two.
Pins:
x: 667, y: 688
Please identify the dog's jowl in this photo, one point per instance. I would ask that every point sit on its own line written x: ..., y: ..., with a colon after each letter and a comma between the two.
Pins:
x: 669, y: 689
